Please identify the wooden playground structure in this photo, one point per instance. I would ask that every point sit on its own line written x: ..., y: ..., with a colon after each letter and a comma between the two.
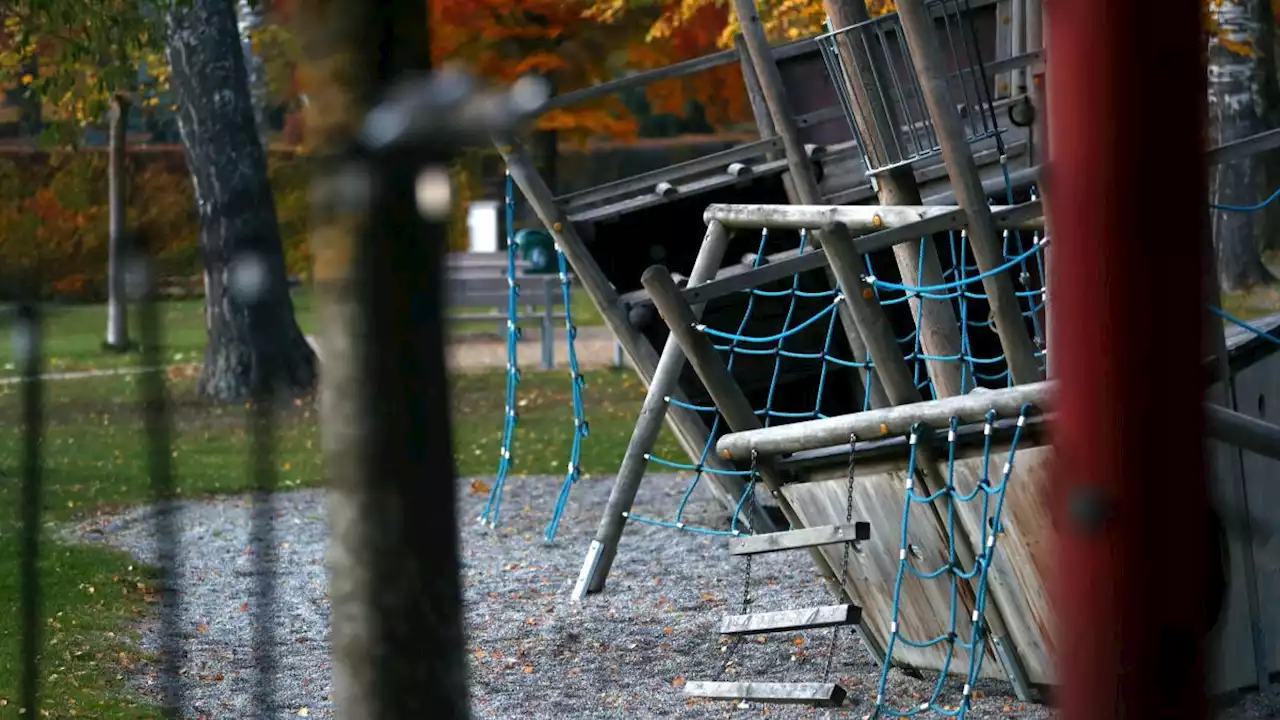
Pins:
x: 902, y: 112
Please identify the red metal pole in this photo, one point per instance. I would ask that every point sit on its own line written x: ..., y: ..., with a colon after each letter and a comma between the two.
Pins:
x: 1126, y: 85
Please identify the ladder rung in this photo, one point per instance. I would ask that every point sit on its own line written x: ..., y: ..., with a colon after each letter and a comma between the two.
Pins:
x: 790, y: 620
x: 817, y: 694
x: 798, y: 539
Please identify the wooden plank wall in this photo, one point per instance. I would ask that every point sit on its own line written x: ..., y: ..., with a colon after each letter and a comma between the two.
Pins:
x: 1024, y: 556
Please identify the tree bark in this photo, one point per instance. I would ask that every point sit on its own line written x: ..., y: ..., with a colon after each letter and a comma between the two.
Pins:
x: 1241, y: 94
x: 117, y: 311
x: 254, y: 340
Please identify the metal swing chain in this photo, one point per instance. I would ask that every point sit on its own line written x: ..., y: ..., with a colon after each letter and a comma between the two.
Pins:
x: 746, y: 573
x: 844, y: 557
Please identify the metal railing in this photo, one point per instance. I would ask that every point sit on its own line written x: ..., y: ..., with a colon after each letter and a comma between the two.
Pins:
x: 882, y: 99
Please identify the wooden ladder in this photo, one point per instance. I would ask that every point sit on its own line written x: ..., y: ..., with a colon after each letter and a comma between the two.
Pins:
x: 817, y: 694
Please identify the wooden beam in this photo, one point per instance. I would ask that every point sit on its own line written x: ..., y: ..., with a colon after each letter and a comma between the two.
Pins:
x: 864, y: 319
x: 663, y: 384
x: 917, y: 259
x: 791, y: 620
x: 816, y: 694
x: 811, y: 434
x: 984, y: 238
x: 1242, y: 431
x: 647, y: 180
x: 1025, y: 216
x: 690, y: 430
x: 725, y: 393
x: 799, y: 539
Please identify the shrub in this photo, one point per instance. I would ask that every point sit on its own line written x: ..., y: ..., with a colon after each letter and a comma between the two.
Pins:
x: 53, y: 217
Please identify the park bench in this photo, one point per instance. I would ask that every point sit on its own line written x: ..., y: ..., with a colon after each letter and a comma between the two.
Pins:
x: 478, y: 291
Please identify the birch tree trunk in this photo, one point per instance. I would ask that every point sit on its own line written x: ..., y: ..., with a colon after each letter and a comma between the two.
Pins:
x: 1242, y: 93
x: 249, y: 15
x: 117, y: 311
x: 254, y: 340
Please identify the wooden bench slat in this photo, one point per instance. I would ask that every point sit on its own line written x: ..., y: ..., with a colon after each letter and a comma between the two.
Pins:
x: 791, y: 620
x: 799, y: 539
x: 817, y: 694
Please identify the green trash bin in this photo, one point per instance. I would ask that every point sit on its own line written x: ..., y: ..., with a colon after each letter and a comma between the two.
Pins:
x: 539, y: 250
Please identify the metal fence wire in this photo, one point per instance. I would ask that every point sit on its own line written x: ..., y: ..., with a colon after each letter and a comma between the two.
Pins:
x: 882, y: 99
x: 395, y: 596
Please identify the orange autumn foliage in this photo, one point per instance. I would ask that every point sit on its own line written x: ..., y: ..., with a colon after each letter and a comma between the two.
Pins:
x: 501, y: 41
x: 576, y: 48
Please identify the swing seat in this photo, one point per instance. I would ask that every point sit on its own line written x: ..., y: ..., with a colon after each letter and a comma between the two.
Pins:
x: 800, y: 539
x: 815, y: 694
x: 791, y: 620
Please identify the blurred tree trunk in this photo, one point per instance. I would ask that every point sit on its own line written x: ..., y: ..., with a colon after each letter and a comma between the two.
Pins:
x: 1242, y: 98
x: 117, y: 311
x: 395, y: 586
x: 254, y: 340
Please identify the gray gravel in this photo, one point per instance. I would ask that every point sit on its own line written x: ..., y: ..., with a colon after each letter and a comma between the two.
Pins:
x: 623, y: 654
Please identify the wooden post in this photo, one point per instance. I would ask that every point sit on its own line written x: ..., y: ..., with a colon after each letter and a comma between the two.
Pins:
x: 690, y: 429
x: 869, y: 320
x: 935, y: 319
x: 1131, y: 621
x: 760, y: 110
x: 984, y: 238
x: 665, y: 383
x: 766, y: 127
x: 395, y: 585
x: 735, y: 408
x: 117, y: 338
x: 1224, y: 422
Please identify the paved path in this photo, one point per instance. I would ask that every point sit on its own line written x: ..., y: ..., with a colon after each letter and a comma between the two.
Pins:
x: 594, y: 348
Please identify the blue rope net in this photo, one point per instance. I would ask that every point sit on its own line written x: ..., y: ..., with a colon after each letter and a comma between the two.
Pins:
x: 580, y: 428
x: 990, y: 496
x: 573, y: 470
x: 962, y: 286
x: 493, y: 505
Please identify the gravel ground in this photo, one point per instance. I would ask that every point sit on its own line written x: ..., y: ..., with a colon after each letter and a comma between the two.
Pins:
x: 624, y: 654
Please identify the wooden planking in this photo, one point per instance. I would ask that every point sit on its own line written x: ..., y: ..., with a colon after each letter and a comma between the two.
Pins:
x: 817, y: 694
x: 1258, y: 395
x: 1229, y: 651
x: 797, y: 539
x: 789, y: 620
x: 1024, y: 559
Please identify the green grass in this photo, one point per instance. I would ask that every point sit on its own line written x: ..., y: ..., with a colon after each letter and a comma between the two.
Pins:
x: 74, y: 333
x: 94, y: 458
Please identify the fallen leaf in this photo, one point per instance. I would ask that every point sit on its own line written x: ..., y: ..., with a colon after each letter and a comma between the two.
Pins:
x: 528, y: 669
x: 677, y: 682
x: 479, y: 487
x: 798, y: 641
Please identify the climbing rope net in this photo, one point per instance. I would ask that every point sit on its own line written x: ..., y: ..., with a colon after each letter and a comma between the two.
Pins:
x: 573, y: 469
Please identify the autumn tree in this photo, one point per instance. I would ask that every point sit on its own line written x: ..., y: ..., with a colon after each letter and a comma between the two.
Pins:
x: 682, y: 29
x: 89, y: 50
